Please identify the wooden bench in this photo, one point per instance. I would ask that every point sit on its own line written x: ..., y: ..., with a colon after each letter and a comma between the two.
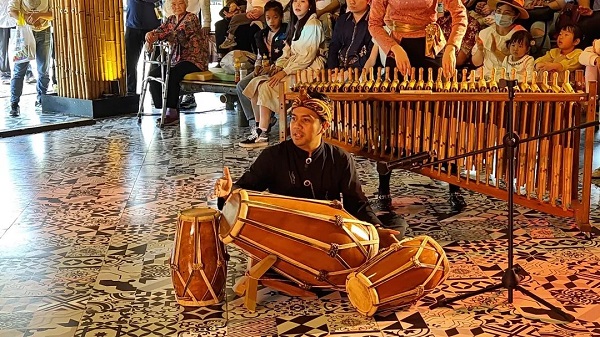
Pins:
x: 217, y: 81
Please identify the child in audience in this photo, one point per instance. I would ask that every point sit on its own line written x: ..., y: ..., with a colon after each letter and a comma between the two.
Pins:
x: 270, y: 42
x: 490, y: 48
x: 566, y: 55
x: 519, y: 59
x: 304, y: 38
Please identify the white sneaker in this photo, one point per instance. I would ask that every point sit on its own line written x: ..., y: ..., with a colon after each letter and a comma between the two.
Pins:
x: 258, y: 138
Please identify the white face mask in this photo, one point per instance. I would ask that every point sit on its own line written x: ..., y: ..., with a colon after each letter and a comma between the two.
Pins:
x: 504, y: 20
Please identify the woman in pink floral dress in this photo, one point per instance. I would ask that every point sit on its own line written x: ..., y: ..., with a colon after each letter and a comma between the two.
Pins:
x: 190, y: 54
x: 407, y: 32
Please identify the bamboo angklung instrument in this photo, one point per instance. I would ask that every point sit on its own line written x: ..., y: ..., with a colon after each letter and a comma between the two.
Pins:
x: 383, y: 119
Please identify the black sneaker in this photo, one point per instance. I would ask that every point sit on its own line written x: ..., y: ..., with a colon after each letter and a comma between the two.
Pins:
x: 15, y: 110
x: 188, y: 102
x: 457, y: 202
x: 258, y: 138
x: 38, y: 104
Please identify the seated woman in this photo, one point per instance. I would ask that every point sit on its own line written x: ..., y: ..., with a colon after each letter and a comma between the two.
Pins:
x: 190, y: 54
x: 304, y: 39
x: 270, y: 42
x: 490, y: 49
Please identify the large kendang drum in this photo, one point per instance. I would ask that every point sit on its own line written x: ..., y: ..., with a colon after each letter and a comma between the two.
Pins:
x: 316, y: 243
x: 198, y: 261
x: 398, y: 276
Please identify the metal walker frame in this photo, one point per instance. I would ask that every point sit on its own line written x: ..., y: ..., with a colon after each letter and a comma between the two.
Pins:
x: 162, y: 60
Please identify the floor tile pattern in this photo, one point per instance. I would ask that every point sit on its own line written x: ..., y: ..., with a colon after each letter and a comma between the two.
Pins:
x: 89, y: 218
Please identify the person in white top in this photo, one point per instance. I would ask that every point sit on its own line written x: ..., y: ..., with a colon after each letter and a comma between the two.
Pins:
x: 38, y: 16
x: 490, y: 49
x: 590, y: 58
x: 519, y: 59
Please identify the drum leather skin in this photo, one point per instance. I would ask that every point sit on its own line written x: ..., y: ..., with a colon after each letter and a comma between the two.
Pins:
x: 398, y: 276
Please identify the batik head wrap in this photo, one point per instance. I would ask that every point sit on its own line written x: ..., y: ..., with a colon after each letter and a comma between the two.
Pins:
x: 316, y: 102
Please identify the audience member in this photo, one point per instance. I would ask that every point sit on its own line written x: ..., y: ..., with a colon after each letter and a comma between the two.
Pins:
x: 254, y: 12
x: 351, y: 44
x: 590, y: 59
x: 221, y: 26
x: 491, y: 49
x: 202, y: 9
x: 566, y: 55
x: 270, y: 42
x: 140, y: 19
x: 302, y: 50
x: 519, y: 59
x: 182, y: 30
x: 37, y: 15
x: 589, y: 22
x: 473, y: 27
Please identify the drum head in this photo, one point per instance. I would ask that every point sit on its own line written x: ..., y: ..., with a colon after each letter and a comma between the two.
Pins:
x: 361, y: 296
x: 231, y: 213
x: 201, y: 214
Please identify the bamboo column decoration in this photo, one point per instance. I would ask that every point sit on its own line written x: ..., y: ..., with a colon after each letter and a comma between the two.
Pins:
x: 89, y: 46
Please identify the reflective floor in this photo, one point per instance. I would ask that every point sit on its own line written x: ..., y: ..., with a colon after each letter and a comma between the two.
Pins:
x: 89, y: 216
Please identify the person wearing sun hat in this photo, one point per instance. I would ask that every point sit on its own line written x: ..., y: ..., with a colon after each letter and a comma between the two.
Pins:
x: 490, y: 49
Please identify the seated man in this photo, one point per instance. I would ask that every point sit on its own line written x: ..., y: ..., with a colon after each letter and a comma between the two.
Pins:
x: 310, y: 168
x: 351, y: 44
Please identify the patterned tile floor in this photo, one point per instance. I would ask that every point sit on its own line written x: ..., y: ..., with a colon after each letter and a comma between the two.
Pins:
x: 30, y: 116
x: 89, y: 215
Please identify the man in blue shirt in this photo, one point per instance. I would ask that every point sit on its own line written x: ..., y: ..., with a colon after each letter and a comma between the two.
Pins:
x: 141, y: 18
x: 351, y: 44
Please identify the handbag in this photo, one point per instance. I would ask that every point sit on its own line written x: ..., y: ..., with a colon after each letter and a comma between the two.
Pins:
x: 24, y: 42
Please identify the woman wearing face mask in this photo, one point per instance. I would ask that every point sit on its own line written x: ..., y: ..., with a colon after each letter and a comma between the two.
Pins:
x: 490, y: 49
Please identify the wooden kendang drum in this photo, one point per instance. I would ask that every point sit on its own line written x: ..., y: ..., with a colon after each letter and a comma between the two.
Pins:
x: 198, y: 261
x: 399, y: 275
x: 312, y: 243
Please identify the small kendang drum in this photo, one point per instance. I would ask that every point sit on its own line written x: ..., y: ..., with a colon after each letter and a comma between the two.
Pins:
x: 398, y: 276
x: 198, y: 264
x: 317, y: 243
